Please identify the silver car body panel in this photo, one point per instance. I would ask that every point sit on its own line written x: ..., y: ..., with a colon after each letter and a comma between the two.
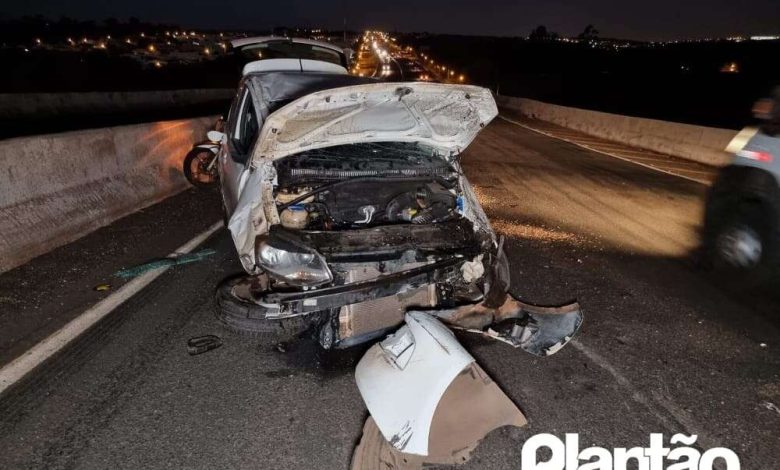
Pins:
x: 444, y: 117
x: 403, y: 378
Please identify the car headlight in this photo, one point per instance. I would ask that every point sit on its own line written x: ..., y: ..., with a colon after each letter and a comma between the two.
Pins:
x: 292, y: 264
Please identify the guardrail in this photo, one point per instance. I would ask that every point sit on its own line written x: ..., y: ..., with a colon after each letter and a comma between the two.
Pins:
x: 697, y: 143
x: 56, y: 188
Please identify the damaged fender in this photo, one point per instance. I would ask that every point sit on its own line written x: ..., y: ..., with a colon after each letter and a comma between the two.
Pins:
x: 403, y: 381
x: 254, y: 213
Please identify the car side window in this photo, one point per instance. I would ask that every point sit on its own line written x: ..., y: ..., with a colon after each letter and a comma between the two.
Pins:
x: 245, y: 129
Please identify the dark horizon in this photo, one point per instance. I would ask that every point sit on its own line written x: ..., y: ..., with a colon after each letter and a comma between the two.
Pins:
x: 661, y: 20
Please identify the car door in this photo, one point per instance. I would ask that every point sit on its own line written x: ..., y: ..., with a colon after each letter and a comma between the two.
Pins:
x: 242, y: 131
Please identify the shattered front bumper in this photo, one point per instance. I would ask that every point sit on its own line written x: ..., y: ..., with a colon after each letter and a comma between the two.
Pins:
x: 284, y: 304
x: 378, y: 273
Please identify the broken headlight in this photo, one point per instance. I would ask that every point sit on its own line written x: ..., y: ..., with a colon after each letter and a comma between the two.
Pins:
x: 292, y: 264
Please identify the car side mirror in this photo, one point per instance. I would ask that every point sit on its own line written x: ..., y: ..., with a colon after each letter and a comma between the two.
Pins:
x: 215, y: 136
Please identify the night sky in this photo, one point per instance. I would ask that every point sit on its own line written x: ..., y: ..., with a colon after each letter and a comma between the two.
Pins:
x: 658, y: 19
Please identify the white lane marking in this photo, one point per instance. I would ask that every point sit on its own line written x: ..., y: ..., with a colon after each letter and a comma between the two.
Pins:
x: 679, y: 417
x: 659, y: 160
x: 22, y: 365
x: 690, y: 178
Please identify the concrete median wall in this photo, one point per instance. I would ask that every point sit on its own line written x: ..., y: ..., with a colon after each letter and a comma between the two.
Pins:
x: 696, y: 143
x: 41, y: 105
x: 56, y: 188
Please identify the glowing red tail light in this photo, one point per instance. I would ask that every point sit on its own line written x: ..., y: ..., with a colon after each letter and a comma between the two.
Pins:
x: 764, y: 157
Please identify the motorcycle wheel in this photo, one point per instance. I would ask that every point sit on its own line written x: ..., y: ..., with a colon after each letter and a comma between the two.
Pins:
x: 196, y: 167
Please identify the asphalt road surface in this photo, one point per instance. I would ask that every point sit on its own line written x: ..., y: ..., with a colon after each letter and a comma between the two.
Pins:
x: 664, y: 349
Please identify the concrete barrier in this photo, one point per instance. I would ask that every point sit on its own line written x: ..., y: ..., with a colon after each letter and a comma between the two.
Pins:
x: 43, y: 105
x: 56, y: 188
x: 697, y: 143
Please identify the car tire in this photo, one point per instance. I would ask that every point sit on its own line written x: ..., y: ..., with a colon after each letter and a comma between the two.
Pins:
x: 193, y: 158
x: 248, y: 318
x: 740, y: 241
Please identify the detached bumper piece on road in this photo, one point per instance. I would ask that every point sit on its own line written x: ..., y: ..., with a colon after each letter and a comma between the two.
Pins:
x: 430, y: 403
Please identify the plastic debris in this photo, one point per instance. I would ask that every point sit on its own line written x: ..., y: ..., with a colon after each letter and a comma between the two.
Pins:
x: 771, y: 407
x: 164, y: 262
x: 201, y: 344
x: 102, y: 287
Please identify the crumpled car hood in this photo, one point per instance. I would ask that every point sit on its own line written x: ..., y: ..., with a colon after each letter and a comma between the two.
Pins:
x: 444, y: 117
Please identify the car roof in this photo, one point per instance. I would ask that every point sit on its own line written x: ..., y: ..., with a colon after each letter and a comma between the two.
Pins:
x: 240, y: 42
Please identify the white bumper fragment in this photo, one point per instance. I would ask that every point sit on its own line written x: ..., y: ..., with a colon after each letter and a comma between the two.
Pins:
x: 403, y: 378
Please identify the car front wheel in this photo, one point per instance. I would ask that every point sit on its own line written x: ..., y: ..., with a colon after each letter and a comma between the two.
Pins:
x: 236, y: 312
x: 741, y: 240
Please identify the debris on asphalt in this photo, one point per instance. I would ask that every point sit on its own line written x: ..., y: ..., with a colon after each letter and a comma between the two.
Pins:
x: 424, y: 358
x: 763, y: 345
x: 201, y: 344
x: 771, y: 407
x: 164, y: 262
x: 102, y: 287
x: 540, y: 331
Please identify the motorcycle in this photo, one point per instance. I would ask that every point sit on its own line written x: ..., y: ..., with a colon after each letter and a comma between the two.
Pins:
x: 200, y: 163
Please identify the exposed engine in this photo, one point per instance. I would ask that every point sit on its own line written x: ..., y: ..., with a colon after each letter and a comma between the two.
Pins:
x: 343, y: 188
x: 368, y: 202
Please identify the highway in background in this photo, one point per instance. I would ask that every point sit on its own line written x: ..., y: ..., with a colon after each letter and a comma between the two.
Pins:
x: 379, y: 55
x: 663, y: 348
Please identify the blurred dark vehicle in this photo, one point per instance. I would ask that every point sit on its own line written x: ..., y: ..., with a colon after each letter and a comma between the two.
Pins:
x: 742, y: 220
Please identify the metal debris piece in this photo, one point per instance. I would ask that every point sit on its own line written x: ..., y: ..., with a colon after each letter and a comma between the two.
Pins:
x: 771, y: 407
x: 201, y: 344
x: 164, y: 262
x: 540, y: 331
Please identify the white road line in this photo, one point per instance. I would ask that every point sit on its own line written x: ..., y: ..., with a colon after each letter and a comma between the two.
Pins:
x: 690, y: 178
x: 22, y: 365
x: 679, y: 422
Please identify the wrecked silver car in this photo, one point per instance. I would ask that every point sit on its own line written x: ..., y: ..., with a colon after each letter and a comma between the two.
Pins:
x: 348, y: 206
x: 352, y: 218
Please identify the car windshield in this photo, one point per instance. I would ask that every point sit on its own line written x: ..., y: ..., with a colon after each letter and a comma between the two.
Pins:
x: 290, y: 50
